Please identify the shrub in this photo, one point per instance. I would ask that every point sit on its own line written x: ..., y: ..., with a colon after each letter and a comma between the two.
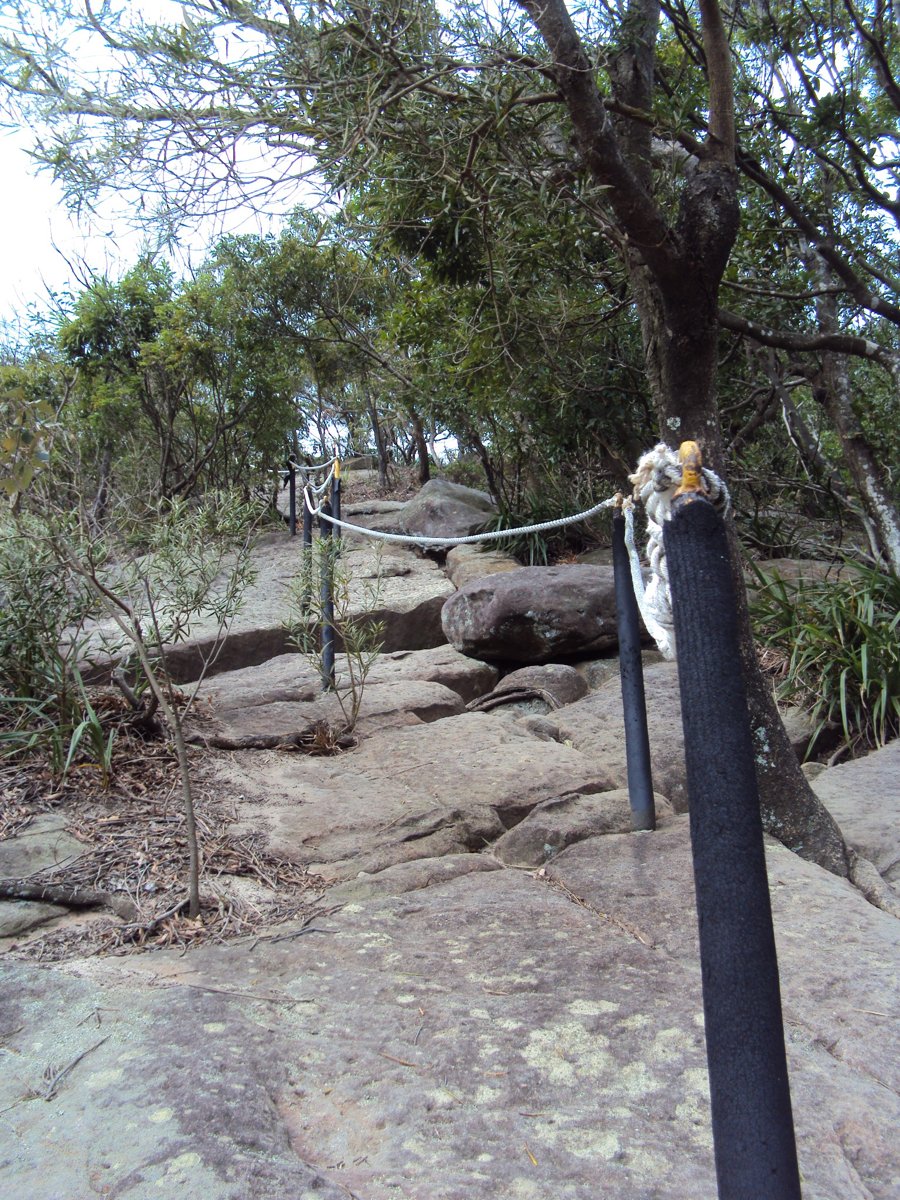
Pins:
x: 838, y: 645
x: 42, y: 612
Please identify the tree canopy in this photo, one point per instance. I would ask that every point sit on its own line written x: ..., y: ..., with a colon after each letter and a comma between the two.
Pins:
x: 558, y: 232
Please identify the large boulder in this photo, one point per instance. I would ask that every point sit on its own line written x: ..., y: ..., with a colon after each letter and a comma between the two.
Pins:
x: 445, y: 509
x: 534, y: 614
x: 534, y: 690
x: 467, y: 562
x: 561, y: 683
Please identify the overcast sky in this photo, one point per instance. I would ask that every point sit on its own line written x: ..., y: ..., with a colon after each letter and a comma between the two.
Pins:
x: 44, y: 247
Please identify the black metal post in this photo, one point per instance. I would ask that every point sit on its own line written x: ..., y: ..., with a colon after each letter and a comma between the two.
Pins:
x: 292, y: 496
x: 631, y: 674
x: 336, y: 492
x: 306, y: 551
x: 753, y: 1132
x: 307, y: 518
x: 327, y: 597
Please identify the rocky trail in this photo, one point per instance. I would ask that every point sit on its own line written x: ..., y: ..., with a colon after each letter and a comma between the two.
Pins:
x: 494, y: 989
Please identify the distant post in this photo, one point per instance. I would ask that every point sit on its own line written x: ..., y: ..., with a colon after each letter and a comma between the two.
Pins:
x: 631, y: 674
x: 292, y: 495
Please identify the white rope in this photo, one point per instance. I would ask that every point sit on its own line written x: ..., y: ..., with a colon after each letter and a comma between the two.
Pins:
x: 318, y: 488
x: 301, y: 467
x: 658, y: 632
x: 656, y: 480
x: 491, y: 535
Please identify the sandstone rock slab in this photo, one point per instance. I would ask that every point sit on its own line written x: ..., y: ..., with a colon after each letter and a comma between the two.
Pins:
x: 411, y: 876
x: 465, y: 563
x: 501, y: 1034
x: 21, y: 916
x: 280, y: 722
x: 409, y: 593
x: 596, y: 727
x: 863, y: 796
x: 44, y: 843
x: 555, y: 824
x: 284, y: 696
x: 534, y: 615
x: 837, y: 959
x: 415, y: 792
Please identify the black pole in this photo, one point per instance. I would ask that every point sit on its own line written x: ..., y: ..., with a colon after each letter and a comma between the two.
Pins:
x: 753, y: 1132
x: 336, y: 495
x: 631, y: 673
x: 292, y: 496
x: 307, y: 519
x: 306, y: 551
x: 327, y: 598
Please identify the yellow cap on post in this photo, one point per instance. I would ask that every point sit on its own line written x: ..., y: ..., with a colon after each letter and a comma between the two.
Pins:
x: 692, y: 481
x: 337, y: 467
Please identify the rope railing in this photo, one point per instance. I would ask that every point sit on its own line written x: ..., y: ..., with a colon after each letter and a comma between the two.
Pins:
x: 656, y: 482
x: 414, y: 539
x: 689, y: 591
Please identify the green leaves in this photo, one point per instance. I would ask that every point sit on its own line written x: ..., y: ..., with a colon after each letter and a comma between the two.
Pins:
x: 27, y: 424
x: 840, y: 643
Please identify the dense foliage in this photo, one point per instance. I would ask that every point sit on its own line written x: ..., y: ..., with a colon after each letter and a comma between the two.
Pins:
x: 551, y: 237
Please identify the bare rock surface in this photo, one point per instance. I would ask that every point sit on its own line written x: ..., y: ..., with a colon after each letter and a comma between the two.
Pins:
x: 466, y: 676
x: 285, y: 722
x: 555, y: 824
x: 415, y: 792
x: 863, y: 796
x: 825, y: 931
x: 596, y: 727
x: 284, y: 697
x: 502, y: 1033
x: 534, y: 615
x: 465, y: 563
x: 45, y: 842
x: 445, y: 509
x: 500, y: 996
x: 391, y: 584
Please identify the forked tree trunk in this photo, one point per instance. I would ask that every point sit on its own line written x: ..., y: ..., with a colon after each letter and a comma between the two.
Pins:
x: 675, y: 262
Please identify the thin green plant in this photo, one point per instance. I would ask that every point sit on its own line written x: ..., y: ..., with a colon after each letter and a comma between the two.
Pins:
x: 839, y: 642
x: 359, y: 639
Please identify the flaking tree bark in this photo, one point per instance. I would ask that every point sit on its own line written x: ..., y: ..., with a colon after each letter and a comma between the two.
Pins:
x: 675, y: 263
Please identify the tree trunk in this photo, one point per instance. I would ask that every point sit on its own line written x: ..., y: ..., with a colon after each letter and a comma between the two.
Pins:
x: 421, y: 446
x: 100, y: 507
x: 680, y: 339
x: 868, y: 473
x: 675, y: 264
x: 834, y: 393
x: 380, y: 446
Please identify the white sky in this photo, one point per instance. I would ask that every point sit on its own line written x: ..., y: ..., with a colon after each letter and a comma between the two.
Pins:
x: 44, y: 247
